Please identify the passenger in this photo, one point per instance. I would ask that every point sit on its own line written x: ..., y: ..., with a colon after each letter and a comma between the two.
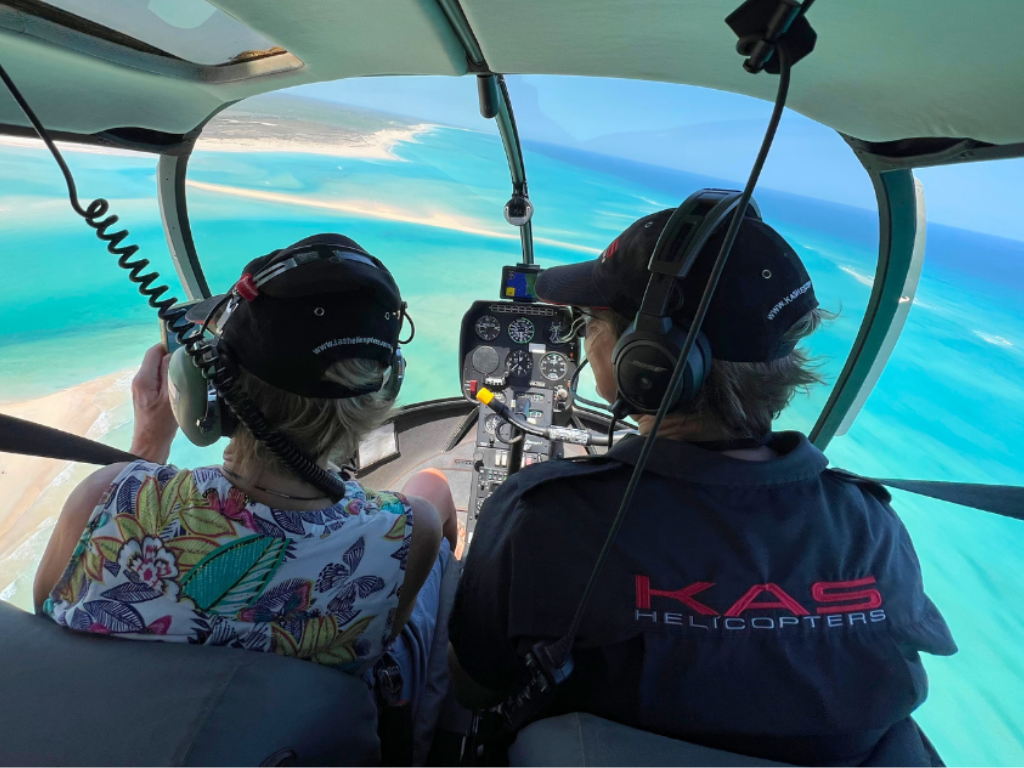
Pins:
x: 247, y: 554
x: 754, y: 601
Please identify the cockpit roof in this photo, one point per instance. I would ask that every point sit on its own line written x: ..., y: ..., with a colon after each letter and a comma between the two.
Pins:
x: 882, y: 71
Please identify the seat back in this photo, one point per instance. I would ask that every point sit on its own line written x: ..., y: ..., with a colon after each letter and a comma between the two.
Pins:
x: 77, y: 699
x: 579, y: 739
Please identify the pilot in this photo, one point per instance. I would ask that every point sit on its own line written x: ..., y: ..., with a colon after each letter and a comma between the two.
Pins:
x: 245, y: 553
x: 754, y: 600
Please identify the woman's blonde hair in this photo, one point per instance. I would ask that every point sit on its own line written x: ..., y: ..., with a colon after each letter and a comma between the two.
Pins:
x: 742, y: 399
x: 321, y: 428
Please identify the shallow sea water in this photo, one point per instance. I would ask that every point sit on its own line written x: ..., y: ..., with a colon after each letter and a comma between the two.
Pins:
x: 948, y: 405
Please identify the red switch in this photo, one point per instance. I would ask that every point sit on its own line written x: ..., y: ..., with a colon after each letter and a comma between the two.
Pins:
x: 472, y: 384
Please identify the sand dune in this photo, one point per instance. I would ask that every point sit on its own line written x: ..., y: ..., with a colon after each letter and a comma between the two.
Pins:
x: 372, y: 210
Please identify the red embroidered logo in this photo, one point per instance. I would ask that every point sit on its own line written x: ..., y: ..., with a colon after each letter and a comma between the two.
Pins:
x: 837, y: 603
x: 610, y: 250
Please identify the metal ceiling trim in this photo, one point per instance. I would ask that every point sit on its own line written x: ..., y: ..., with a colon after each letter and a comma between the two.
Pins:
x: 900, y: 257
x: 134, y: 139
x: 460, y: 26
x: 509, y: 132
x: 925, y: 152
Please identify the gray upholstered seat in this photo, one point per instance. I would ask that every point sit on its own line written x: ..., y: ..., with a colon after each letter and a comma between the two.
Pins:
x: 73, y: 699
x: 579, y: 739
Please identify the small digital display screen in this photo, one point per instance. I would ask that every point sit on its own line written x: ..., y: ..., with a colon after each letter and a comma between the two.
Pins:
x: 519, y: 283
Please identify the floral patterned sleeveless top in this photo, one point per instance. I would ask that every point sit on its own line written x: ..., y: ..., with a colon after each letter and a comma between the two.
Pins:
x: 184, y: 556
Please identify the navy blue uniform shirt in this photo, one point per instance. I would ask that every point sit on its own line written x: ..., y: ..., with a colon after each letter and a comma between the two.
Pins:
x: 773, y: 608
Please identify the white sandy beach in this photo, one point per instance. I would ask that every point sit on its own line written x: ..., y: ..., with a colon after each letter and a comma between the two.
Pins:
x: 377, y: 145
x: 373, y: 210
x: 34, y: 489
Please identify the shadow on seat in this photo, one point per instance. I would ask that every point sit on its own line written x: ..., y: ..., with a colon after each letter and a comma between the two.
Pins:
x: 579, y: 739
x: 76, y: 699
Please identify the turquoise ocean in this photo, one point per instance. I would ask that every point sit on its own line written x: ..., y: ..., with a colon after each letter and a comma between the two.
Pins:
x: 947, y: 407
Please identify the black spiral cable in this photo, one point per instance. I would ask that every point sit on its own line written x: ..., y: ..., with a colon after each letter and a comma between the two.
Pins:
x: 203, y: 354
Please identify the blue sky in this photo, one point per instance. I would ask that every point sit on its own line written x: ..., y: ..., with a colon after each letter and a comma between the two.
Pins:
x: 694, y: 129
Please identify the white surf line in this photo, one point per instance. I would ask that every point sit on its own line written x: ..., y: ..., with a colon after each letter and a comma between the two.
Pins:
x: 863, y: 279
x: 436, y: 220
x: 991, y: 338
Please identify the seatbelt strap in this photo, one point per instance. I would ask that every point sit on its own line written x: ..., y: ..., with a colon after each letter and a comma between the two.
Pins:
x: 31, y: 439
x: 1005, y: 500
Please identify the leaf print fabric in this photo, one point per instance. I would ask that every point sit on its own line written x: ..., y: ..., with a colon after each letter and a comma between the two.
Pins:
x: 185, y: 556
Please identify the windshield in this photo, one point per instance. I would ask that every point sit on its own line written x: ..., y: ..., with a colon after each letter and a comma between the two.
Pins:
x: 409, y: 169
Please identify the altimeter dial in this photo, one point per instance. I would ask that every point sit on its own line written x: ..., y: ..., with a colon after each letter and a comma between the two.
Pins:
x: 521, y: 330
x: 553, y: 366
x: 488, y: 328
x: 520, y: 363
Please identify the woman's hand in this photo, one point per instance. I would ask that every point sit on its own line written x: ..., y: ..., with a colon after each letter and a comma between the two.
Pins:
x: 155, y: 426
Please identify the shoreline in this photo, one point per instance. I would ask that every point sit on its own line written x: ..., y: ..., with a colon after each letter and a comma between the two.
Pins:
x: 373, y: 210
x: 375, y: 145
x: 34, y: 489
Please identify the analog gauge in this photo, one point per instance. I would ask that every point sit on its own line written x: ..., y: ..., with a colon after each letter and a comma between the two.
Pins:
x: 488, y: 327
x: 485, y: 359
x: 556, y: 332
x: 491, y: 423
x: 520, y: 363
x: 553, y: 366
x: 520, y: 330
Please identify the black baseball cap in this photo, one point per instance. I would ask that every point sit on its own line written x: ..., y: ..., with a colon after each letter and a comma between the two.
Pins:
x: 296, y: 311
x: 763, y: 290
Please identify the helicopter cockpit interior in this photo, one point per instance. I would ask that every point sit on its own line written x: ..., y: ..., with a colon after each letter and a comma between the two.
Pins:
x: 110, y: 76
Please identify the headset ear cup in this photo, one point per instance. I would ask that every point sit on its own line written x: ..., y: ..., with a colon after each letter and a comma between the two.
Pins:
x: 198, y: 417
x: 701, y: 362
x: 643, y: 362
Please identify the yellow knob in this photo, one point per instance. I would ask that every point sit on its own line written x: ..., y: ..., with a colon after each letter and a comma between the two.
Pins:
x: 485, y: 395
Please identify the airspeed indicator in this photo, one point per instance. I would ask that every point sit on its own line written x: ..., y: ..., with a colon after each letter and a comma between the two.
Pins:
x: 521, y: 330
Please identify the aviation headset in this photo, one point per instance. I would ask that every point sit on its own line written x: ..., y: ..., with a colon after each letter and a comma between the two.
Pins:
x: 197, y: 393
x: 647, y: 352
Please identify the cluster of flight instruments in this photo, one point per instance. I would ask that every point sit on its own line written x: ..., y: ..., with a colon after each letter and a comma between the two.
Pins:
x: 520, y: 352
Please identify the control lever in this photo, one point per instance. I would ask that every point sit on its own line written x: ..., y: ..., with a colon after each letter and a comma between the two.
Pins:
x: 556, y: 434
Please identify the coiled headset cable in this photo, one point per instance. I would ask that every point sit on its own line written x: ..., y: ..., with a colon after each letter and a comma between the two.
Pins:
x: 215, y: 367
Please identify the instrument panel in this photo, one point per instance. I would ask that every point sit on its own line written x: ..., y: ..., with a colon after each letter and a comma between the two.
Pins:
x: 518, y: 350
x: 505, y: 344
